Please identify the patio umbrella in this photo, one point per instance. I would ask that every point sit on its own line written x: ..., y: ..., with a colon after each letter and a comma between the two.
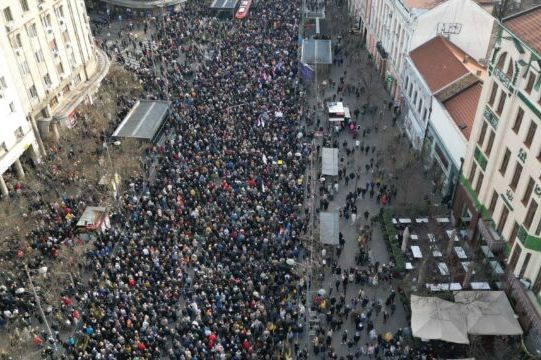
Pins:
x: 437, y: 319
x: 405, y: 239
x: 488, y: 313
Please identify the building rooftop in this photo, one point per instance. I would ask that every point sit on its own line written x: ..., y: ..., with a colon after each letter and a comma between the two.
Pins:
x: 462, y: 107
x: 526, y: 26
x: 144, y: 120
x: 440, y: 62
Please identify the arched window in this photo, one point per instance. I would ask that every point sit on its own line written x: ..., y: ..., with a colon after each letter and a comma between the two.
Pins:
x: 501, y: 61
x: 510, y: 69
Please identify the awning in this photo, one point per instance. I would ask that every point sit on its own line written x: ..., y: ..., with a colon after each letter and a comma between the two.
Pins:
x: 144, y: 120
x: 329, y: 161
x: 316, y: 52
x: 329, y: 228
x: 224, y: 4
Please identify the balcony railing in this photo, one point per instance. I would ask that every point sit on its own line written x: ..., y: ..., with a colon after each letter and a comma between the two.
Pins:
x: 525, y: 302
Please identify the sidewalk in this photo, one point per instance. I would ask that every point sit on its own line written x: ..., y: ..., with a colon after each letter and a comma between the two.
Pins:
x: 393, y: 150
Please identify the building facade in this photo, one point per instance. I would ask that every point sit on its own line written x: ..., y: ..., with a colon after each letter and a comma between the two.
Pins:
x: 501, y: 185
x: 441, y: 90
x: 17, y: 139
x: 49, y: 51
x: 128, y: 9
x: 393, y: 28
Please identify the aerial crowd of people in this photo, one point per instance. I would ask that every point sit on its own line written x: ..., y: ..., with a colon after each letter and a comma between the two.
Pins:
x: 203, y: 262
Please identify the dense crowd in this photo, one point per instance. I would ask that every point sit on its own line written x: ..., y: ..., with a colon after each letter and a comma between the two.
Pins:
x: 203, y: 262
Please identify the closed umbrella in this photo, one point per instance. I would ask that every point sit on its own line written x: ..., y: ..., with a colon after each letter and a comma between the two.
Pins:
x: 405, y: 239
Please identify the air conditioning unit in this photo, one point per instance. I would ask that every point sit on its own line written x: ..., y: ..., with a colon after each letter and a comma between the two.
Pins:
x: 19, y: 51
x: 55, y: 53
x: 40, y: 7
x: 9, y: 28
x: 1, y: 95
x: 50, y: 30
x: 61, y: 21
x: 68, y: 45
x: 62, y: 77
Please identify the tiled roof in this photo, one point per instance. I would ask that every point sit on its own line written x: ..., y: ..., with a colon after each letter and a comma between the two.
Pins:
x: 440, y: 62
x: 462, y: 107
x: 527, y: 27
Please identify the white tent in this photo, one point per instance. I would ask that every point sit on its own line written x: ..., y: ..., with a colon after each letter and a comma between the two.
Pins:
x: 437, y: 319
x: 329, y: 228
x: 329, y: 161
x: 488, y: 313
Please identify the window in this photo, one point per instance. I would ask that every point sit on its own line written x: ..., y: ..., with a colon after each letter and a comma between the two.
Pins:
x: 7, y: 14
x: 16, y: 41
x: 66, y: 36
x: 46, y: 21
x: 424, y: 114
x: 536, y: 287
x: 23, y: 67
x: 410, y: 90
x: 472, y: 172
x: 501, y: 61
x: 482, y: 134
x: 53, y: 46
x: 3, y: 149
x: 407, y: 82
x: 33, y: 92
x: 24, y: 5
x: 529, y: 84
x: 47, y: 80
x: 11, y: 107
x: 514, y: 233
x: 525, y: 264
x: 39, y: 56
x: 501, y: 103
x: 59, y: 11
x: 510, y: 70
x: 3, y: 83
x: 420, y: 106
x: 32, y: 30
x: 19, y: 133
x: 516, y: 177
x: 538, y: 229
x: 415, y: 98
x: 503, y: 219
x: 479, y: 182
x: 60, y: 68
x: 493, y: 202
x: 493, y: 94
x: 518, y: 120
x: 514, y: 258
x: 531, y: 132
x: 505, y: 162
x: 530, y: 214
x: 490, y: 143
x: 528, y: 191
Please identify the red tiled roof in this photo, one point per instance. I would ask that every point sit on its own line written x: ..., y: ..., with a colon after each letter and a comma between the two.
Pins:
x: 462, y: 107
x: 527, y: 27
x: 439, y: 61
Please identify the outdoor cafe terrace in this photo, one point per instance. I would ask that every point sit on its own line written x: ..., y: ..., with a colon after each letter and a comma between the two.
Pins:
x: 438, y: 257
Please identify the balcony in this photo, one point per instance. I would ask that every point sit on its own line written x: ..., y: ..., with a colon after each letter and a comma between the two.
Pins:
x: 526, y: 305
x: 494, y: 241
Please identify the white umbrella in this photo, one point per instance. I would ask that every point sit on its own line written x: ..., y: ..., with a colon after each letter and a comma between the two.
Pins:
x: 488, y: 313
x: 290, y: 262
x: 438, y: 319
x: 321, y: 292
x: 405, y: 239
